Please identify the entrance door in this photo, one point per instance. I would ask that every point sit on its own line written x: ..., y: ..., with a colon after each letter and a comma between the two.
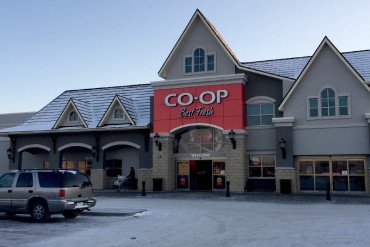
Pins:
x: 201, y: 175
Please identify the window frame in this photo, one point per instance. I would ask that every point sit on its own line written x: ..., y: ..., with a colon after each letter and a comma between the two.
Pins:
x: 337, y: 96
x: 193, y: 60
x: 115, y: 112
x: 261, y: 100
x: 262, y: 165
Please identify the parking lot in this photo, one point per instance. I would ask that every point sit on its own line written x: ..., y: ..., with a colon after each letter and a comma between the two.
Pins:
x: 200, y: 219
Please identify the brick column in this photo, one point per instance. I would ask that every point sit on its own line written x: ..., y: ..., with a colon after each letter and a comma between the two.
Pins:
x: 236, y: 161
x: 163, y: 162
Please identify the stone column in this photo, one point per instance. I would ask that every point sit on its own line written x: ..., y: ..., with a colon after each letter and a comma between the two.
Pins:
x: 285, y: 168
x: 163, y: 162
x: 236, y: 160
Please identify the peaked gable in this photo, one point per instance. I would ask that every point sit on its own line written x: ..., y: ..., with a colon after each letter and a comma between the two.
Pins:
x: 116, y: 103
x: 193, y: 21
x: 71, y: 108
x: 325, y: 42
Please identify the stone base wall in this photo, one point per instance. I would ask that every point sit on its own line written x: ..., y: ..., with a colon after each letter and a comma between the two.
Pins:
x: 163, y: 163
x: 236, y: 164
x: 286, y: 173
x: 146, y: 176
x: 97, y: 178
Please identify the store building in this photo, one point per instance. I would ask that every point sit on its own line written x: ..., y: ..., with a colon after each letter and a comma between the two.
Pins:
x: 298, y: 124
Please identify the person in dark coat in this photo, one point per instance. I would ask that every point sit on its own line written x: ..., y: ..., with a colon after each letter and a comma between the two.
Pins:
x: 132, y: 178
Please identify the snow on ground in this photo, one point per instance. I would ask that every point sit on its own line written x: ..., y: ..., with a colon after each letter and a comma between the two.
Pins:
x: 158, y: 222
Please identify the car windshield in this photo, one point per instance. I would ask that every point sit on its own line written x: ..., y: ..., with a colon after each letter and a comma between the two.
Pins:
x: 6, y: 180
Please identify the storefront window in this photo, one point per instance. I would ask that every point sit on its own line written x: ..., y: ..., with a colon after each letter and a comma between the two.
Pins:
x: 114, y: 168
x: 200, y: 140
x: 340, y: 174
x: 183, y: 175
x: 261, y: 166
x: 219, y: 175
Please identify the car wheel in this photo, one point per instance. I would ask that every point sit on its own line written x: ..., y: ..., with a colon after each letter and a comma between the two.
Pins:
x: 40, y: 211
x: 70, y: 214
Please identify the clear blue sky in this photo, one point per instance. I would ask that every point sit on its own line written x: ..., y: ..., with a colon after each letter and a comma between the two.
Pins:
x: 48, y: 47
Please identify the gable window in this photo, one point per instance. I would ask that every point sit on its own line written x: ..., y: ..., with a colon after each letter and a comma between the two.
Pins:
x: 328, y: 105
x: 118, y: 113
x: 199, y: 62
x: 73, y: 117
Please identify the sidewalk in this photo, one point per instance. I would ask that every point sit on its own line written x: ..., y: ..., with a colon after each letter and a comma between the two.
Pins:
x: 248, y: 196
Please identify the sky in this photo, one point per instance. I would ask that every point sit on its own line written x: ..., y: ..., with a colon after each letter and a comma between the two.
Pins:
x: 48, y: 47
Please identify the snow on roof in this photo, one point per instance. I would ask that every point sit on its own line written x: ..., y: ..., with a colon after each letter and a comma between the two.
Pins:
x: 92, y: 103
x: 292, y: 67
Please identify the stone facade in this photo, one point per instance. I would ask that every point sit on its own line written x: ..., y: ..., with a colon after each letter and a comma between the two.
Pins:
x: 163, y: 163
x: 236, y: 163
x: 286, y: 173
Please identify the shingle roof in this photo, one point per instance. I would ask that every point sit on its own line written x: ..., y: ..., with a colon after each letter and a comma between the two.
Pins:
x: 92, y: 104
x: 292, y: 67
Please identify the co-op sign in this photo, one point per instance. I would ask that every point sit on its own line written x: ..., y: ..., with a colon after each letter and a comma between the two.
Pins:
x: 186, y: 99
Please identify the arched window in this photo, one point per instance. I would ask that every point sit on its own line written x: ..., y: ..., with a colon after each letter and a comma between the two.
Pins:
x: 73, y: 117
x: 118, y: 113
x: 199, y: 60
x: 260, y: 111
x: 327, y: 102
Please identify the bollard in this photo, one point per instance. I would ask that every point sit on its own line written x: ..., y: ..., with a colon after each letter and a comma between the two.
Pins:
x: 328, y: 197
x: 143, y: 189
x: 227, y: 189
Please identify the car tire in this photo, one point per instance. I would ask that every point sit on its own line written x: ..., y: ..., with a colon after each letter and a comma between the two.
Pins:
x: 40, y: 211
x: 70, y: 214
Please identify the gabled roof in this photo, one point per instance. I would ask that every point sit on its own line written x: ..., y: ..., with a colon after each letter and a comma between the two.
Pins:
x: 212, y: 29
x: 91, y: 104
x: 324, y: 42
x: 117, y: 99
x: 292, y: 67
x: 67, y: 109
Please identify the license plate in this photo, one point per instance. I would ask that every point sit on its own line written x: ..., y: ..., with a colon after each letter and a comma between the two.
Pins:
x: 80, y: 204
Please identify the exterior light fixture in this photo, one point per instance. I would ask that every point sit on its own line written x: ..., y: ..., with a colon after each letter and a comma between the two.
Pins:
x: 11, y: 154
x: 95, y: 152
x: 282, y: 145
x: 157, y: 142
x: 232, y: 138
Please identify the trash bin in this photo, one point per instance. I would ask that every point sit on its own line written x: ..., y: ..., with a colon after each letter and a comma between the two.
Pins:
x: 286, y: 186
x: 157, y: 184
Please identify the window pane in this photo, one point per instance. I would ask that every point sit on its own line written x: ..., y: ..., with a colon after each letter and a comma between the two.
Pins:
x: 324, y: 103
x: 343, y: 101
x: 253, y: 109
x: 321, y: 182
x: 255, y: 172
x: 254, y: 121
x: 343, y: 111
x: 267, y: 109
x: 269, y: 171
x: 340, y: 167
x: 306, y: 167
x: 313, y: 103
x: 307, y: 183
x: 322, y: 167
x: 356, y: 167
x: 325, y: 112
x: 314, y: 113
x: 331, y: 111
x: 210, y: 62
x: 340, y: 183
x: 357, y: 183
x: 266, y: 120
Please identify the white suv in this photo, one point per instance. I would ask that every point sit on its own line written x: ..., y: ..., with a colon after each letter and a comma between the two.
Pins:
x: 41, y: 193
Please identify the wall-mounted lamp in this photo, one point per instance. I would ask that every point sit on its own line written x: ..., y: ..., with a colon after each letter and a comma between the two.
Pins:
x: 157, y: 142
x: 95, y: 152
x: 11, y: 154
x: 232, y: 138
x: 11, y: 150
x: 282, y: 145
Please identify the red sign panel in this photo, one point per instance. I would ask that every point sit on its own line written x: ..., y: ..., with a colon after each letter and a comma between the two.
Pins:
x: 220, y: 105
